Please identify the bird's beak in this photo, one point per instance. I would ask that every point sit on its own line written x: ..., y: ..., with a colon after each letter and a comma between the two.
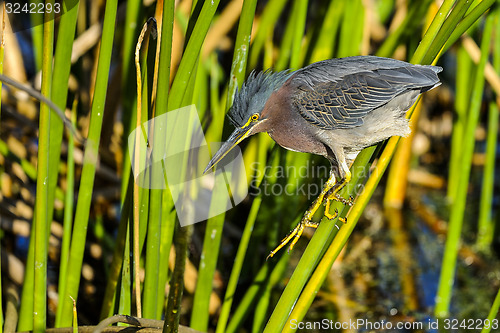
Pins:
x: 236, y: 137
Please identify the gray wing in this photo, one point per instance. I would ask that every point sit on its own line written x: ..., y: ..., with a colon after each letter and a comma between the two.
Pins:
x: 331, y: 102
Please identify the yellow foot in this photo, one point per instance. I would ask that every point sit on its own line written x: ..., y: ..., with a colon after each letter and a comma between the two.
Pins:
x: 327, y: 211
x: 329, y: 192
x: 336, y: 197
x: 293, y: 236
x: 335, y: 214
x: 333, y: 193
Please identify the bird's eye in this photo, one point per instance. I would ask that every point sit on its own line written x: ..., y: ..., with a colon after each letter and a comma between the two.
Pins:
x: 255, y: 117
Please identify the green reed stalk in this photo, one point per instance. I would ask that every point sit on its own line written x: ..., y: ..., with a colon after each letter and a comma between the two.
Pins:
x: 207, y: 267
x: 154, y: 282
x: 37, y: 36
x: 89, y: 164
x: 68, y: 207
x: 286, y: 43
x: 463, y: 89
x: 130, y: 33
x: 42, y: 223
x: 351, y: 31
x: 269, y: 275
x: 435, y: 26
x: 118, y: 253
x: 416, y: 13
x: 340, y: 236
x: 124, y: 292
x: 456, y: 15
x: 493, y: 315
x: 267, y: 22
x: 168, y: 214
x: 300, y: 14
x: 62, y: 67
x: 243, y: 246
x: 328, y: 34
x: 167, y: 235
x: 447, y: 276
x: 465, y: 23
x: 60, y: 79
x: 190, y: 55
x: 486, y: 224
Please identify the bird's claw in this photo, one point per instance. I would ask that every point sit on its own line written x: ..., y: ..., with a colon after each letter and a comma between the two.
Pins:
x: 333, y: 195
x: 331, y: 216
x: 343, y: 200
x: 294, y: 235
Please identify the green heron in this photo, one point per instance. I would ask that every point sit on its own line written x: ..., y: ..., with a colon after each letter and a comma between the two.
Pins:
x: 334, y: 108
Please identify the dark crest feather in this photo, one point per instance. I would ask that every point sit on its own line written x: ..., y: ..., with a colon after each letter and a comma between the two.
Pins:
x: 254, y: 93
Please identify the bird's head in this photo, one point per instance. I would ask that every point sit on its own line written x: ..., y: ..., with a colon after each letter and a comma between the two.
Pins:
x: 246, y: 112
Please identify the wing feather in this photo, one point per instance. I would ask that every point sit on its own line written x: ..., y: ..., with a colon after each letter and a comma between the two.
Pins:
x: 344, y: 102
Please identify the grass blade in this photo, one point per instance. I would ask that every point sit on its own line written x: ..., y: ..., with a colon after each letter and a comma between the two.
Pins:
x: 300, y: 11
x: 493, y: 315
x: 267, y: 22
x: 471, y: 18
x: 168, y: 214
x: 191, y: 53
x: 434, y: 28
x: 351, y: 31
x: 242, y: 248
x: 447, y: 276
x: 89, y: 164
x: 463, y: 82
x: 68, y: 208
x: 42, y: 224
x: 486, y: 225
x: 446, y: 30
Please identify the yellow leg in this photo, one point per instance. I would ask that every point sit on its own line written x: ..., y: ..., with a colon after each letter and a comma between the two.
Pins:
x: 335, y: 214
x: 306, y: 220
x: 293, y: 236
x: 327, y: 210
x: 334, y: 196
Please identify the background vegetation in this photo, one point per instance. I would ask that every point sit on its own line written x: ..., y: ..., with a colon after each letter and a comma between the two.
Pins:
x: 420, y: 243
